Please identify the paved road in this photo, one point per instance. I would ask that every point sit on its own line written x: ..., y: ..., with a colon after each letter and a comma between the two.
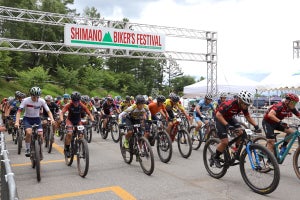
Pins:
x: 110, y: 178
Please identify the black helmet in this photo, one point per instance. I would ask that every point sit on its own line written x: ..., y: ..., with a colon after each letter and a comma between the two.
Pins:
x: 161, y: 98
x: 139, y: 99
x: 75, y: 96
x: 18, y: 94
x: 127, y: 98
x: 109, y: 99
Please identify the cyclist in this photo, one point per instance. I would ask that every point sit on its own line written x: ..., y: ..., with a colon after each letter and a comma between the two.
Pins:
x: 125, y: 104
x: 74, y: 109
x: 203, y: 107
x: 65, y: 101
x: 225, y: 121
x: 273, y: 120
x: 32, y: 106
x: 12, y: 108
x: 173, y: 103
x: 107, y: 107
x: 158, y: 107
x: 136, y: 114
x: 222, y: 99
x: 97, y: 103
x: 54, y: 110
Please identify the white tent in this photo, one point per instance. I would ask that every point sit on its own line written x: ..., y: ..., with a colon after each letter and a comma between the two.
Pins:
x: 231, y: 83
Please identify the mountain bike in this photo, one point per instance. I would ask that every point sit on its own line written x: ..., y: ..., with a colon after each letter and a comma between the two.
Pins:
x: 112, y: 126
x: 36, y: 153
x: 163, y: 141
x: 88, y: 131
x: 206, y: 131
x: 140, y: 147
x: 254, y: 161
x: 280, y: 158
x: 78, y: 147
x: 183, y: 138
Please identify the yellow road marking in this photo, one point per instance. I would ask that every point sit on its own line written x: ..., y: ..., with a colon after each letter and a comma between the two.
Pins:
x: 123, y: 194
x: 58, y: 148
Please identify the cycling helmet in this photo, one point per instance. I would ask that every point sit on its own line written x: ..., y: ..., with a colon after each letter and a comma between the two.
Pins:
x: 292, y: 97
x: 127, y: 98
x: 10, y: 98
x: 66, y: 96
x: 75, y: 96
x: 140, y: 99
x: 35, y: 91
x: 223, y: 94
x: 18, y: 94
x: 58, y: 98
x: 161, y: 98
x: 110, y: 99
x: 208, y: 96
x: 48, y: 98
x: 22, y: 95
x: 246, y: 97
x: 96, y: 98
x: 174, y: 97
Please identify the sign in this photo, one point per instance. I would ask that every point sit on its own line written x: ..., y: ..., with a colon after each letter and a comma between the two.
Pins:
x: 102, y: 37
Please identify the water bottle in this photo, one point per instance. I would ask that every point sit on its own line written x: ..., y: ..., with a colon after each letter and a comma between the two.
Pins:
x: 282, y: 150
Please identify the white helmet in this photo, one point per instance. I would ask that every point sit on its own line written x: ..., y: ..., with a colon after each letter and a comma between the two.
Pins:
x: 48, y: 98
x: 208, y: 96
x: 246, y: 97
x: 223, y: 94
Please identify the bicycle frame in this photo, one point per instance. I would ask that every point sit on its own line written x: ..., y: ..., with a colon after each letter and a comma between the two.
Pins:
x: 292, y: 137
x: 245, y: 140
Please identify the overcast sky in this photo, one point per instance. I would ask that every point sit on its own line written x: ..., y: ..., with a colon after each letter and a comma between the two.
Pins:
x: 254, y: 36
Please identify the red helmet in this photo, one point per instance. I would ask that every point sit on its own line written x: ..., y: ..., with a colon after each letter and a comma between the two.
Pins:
x: 292, y: 97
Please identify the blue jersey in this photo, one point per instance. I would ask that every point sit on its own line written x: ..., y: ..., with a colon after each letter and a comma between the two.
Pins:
x: 204, y: 108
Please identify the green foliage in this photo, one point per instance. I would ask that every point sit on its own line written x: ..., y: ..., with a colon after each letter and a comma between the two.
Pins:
x: 34, y: 77
x: 178, y: 83
x: 67, y: 77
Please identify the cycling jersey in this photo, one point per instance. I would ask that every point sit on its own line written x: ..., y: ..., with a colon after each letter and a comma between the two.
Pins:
x: 15, y: 103
x: 282, y: 111
x: 74, y: 114
x: 108, y: 107
x: 53, y: 108
x: 32, y: 108
x: 154, y: 108
x: 134, y: 113
x: 170, y: 105
x: 204, y: 108
x: 231, y: 108
x: 125, y: 105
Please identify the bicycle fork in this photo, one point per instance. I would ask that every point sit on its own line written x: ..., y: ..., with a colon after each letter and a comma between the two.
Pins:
x: 256, y: 165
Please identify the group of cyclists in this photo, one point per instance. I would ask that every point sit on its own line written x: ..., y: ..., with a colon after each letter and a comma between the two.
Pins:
x: 140, y: 109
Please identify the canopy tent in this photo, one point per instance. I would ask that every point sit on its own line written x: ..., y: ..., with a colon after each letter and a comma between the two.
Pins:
x: 231, y: 83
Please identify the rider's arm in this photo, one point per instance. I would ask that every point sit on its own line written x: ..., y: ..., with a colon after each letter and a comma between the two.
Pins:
x: 272, y: 116
x: 221, y: 119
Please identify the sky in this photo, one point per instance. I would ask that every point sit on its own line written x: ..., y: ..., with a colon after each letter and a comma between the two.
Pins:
x: 255, y: 37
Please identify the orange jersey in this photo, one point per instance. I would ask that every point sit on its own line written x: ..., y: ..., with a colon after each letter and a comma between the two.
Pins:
x: 154, y: 108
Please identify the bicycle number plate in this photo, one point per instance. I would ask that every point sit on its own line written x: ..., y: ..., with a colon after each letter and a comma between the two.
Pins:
x: 80, y: 127
x: 178, y: 119
x: 249, y: 132
x: 137, y: 125
x: 113, y: 116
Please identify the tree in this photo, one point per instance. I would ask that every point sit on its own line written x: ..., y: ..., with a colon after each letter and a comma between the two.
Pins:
x: 67, y: 77
x: 179, y: 83
x: 172, y: 70
x: 36, y: 76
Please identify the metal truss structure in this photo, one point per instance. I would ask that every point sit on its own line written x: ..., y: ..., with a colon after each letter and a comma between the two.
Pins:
x: 47, y: 18
x: 296, y: 49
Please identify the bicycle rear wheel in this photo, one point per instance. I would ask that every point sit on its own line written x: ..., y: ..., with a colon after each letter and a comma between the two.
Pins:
x: 209, y: 151
x: 47, y: 137
x: 89, y: 132
x: 258, y: 179
x: 103, y: 131
x: 184, y: 143
x: 115, y: 132
x: 146, y: 157
x: 164, y: 146
x: 15, y: 135
x: 296, y: 162
x: 82, y: 158
x: 196, y: 139
x: 37, y: 158
x: 126, y: 153
x: 62, y: 132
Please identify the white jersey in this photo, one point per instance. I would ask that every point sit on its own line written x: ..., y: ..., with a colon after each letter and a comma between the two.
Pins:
x: 32, y: 108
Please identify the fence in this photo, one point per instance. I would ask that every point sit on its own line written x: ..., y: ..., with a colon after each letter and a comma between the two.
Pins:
x: 8, y: 184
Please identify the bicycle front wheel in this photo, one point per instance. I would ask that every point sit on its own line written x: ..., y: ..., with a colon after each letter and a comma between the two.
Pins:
x: 296, y: 162
x: 20, y: 141
x: 82, y: 158
x: 115, y: 132
x: 164, y: 146
x: 256, y: 177
x: 146, y: 157
x: 184, y: 143
x: 37, y: 160
x: 69, y: 160
x: 51, y: 141
x: 89, y: 132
